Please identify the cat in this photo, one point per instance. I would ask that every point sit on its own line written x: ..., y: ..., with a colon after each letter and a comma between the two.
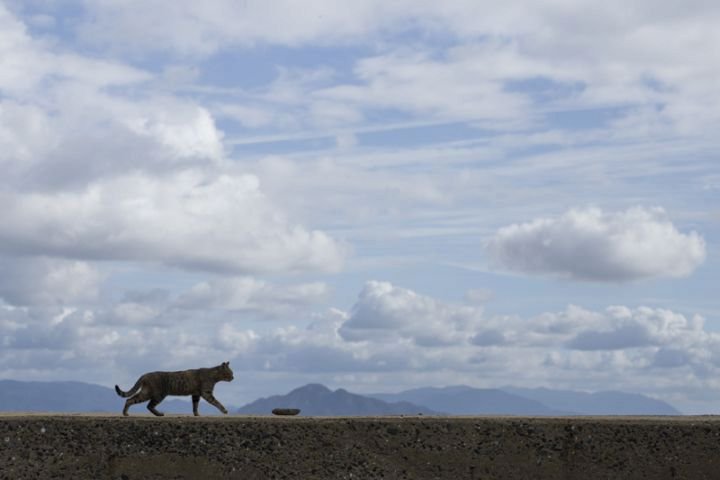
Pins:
x: 155, y: 386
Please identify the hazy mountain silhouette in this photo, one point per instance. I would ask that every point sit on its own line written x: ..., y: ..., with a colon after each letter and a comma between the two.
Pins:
x: 16, y: 396
x: 315, y: 399
x: 599, y: 403
x: 462, y: 400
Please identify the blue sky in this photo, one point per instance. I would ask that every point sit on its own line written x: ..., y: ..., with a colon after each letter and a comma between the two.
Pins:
x: 373, y: 196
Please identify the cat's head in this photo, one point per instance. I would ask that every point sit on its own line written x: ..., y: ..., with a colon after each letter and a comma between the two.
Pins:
x: 226, y: 371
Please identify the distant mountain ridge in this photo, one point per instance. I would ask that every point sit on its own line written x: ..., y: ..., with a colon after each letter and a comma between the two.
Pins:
x: 17, y: 396
x: 598, y: 403
x: 462, y: 400
x: 316, y: 399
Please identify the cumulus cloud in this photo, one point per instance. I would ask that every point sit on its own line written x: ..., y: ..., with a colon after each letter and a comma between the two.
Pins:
x: 191, y: 220
x: 252, y: 295
x: 671, y: 358
x: 602, y: 59
x: 488, y: 337
x: 93, y: 172
x: 81, y: 134
x: 597, y: 60
x: 191, y: 28
x: 386, y: 313
x: 626, y: 336
x: 25, y: 63
x: 43, y: 151
x: 403, y: 82
x: 643, y: 348
x: 589, y: 244
x: 624, y: 328
x: 30, y: 331
x: 245, y: 300
x: 617, y: 347
x: 48, y: 281
x: 187, y: 130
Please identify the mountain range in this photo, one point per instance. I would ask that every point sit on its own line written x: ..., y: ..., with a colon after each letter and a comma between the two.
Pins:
x: 598, y: 403
x: 16, y: 396
x: 315, y: 399
x: 463, y: 400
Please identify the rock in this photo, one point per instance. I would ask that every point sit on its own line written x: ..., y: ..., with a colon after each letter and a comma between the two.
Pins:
x: 286, y: 411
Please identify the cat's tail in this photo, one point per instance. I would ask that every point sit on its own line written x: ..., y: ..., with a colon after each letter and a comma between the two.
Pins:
x: 130, y: 392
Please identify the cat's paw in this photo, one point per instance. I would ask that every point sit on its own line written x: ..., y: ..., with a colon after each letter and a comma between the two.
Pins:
x: 224, y: 410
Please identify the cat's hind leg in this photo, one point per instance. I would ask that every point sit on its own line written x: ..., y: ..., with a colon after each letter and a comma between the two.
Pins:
x: 139, y: 398
x: 153, y: 403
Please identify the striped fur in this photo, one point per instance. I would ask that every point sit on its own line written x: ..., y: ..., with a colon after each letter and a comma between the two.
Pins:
x: 155, y: 386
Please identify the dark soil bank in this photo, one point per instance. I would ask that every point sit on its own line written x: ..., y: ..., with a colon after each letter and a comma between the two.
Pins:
x: 177, y: 447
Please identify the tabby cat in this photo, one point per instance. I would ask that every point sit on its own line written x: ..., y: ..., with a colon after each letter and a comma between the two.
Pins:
x: 155, y: 386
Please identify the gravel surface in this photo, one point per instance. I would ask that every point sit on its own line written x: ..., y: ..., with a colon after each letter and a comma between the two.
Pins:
x: 177, y: 447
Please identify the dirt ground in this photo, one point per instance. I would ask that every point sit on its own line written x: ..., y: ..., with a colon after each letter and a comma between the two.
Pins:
x: 180, y: 446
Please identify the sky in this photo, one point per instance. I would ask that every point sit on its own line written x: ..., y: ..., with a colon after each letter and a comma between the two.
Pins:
x: 370, y: 195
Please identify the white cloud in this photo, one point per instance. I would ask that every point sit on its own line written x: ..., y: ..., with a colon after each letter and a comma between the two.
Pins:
x: 62, y: 120
x: 252, y: 295
x: 345, y: 141
x: 190, y: 220
x: 31, y: 331
x: 386, y: 313
x: 188, y: 130
x: 199, y: 29
x: 25, y: 133
x: 606, y: 58
x: 466, y: 83
x: 47, y: 282
x: 134, y: 313
x: 238, y: 300
x: 250, y: 116
x: 479, y: 295
x: 25, y: 63
x: 486, y: 338
x: 78, y: 135
x: 589, y: 244
x: 575, y: 348
x: 624, y: 328
x: 98, y: 173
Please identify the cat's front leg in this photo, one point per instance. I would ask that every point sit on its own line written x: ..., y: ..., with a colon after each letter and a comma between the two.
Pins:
x: 208, y: 396
x: 195, y: 402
